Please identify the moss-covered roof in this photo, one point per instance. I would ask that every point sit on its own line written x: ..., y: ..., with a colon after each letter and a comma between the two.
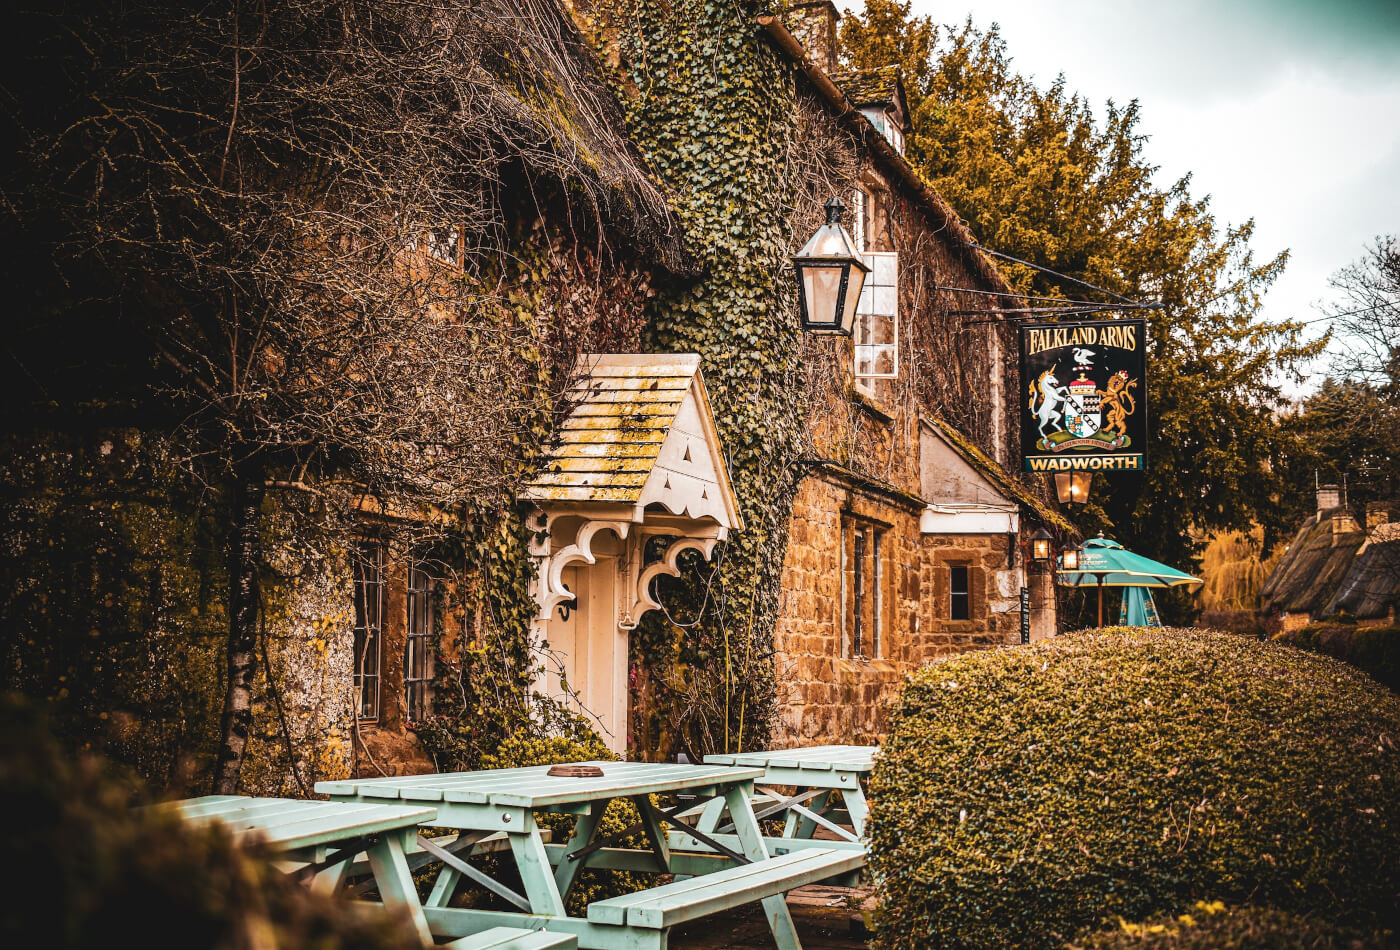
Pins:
x: 1310, y: 571
x: 868, y: 87
x: 1005, y: 482
x: 544, y: 88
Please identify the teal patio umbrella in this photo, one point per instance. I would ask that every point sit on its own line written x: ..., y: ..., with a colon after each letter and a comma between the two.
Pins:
x: 1104, y: 563
x: 1138, y: 609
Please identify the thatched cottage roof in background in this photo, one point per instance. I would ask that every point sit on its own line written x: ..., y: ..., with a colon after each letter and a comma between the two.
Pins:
x: 1311, y: 570
x: 1371, y: 586
x: 557, y: 113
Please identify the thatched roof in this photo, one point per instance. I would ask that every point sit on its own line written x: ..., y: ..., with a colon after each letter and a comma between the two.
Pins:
x: 1311, y: 570
x: 556, y: 112
x: 1371, y: 586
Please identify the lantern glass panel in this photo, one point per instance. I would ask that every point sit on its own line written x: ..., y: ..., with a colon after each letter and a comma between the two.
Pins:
x: 1071, y: 559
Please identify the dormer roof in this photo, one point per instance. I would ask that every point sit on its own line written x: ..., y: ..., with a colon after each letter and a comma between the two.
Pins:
x: 879, y: 87
x: 641, y: 433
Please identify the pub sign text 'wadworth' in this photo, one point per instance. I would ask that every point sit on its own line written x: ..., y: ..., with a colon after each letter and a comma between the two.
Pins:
x: 1084, y: 396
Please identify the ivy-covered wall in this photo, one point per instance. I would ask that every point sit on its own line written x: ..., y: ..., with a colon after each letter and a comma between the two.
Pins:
x: 709, y: 103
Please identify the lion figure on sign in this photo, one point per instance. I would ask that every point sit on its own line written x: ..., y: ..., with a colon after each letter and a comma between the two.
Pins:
x: 1117, y: 403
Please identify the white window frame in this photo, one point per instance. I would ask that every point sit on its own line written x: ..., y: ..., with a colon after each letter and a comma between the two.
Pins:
x: 367, y: 642
x: 858, y: 200
x: 444, y: 244
x: 879, y: 298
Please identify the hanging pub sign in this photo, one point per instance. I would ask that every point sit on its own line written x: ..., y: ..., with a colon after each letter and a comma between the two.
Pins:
x: 1084, y: 396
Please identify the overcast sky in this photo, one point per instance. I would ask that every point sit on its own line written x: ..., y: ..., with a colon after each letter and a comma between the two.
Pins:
x: 1285, y: 111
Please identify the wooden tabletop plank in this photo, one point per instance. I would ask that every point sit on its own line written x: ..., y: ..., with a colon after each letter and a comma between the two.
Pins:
x: 816, y: 758
x: 290, y: 823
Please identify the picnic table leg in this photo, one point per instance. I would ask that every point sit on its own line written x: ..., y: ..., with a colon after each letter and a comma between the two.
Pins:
x: 709, y: 818
x: 656, y: 835
x: 395, y: 880
x: 584, y: 830
x: 329, y: 880
x: 857, y: 808
x: 750, y: 836
x: 806, y: 827
x: 532, y: 861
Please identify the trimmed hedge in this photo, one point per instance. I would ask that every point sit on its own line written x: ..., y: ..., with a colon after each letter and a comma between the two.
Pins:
x: 1025, y: 794
x: 1373, y: 650
x: 1214, y: 927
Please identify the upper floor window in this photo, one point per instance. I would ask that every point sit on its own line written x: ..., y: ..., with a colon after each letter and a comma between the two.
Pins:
x: 862, y: 590
x: 369, y: 615
x: 877, y: 320
x: 444, y: 243
x: 418, y: 641
x: 860, y: 202
x: 886, y: 125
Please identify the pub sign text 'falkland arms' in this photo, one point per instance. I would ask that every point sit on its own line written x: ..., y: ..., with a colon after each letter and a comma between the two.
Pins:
x: 1085, y: 396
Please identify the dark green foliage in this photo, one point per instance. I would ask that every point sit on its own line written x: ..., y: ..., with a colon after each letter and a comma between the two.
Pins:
x: 1026, y: 794
x: 710, y: 105
x: 112, y: 597
x: 1212, y: 926
x: 1373, y: 650
x: 93, y: 872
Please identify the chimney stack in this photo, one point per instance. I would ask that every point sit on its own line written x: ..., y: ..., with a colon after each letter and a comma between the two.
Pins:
x: 1377, y: 514
x: 814, y: 26
x: 1328, y: 497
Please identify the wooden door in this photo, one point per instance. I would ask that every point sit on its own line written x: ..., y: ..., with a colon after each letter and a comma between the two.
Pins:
x: 588, y: 652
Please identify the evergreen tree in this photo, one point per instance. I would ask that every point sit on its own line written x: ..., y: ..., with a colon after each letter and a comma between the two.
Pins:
x: 1037, y: 175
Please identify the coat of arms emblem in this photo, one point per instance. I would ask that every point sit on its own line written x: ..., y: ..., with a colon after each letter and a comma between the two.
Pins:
x: 1082, y: 419
x: 1082, y: 415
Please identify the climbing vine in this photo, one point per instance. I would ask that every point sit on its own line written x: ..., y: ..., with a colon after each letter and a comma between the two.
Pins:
x: 709, y: 103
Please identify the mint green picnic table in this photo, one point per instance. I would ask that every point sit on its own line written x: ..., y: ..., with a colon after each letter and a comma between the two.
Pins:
x: 486, y: 806
x: 323, y: 839
x: 818, y: 775
x: 332, y: 842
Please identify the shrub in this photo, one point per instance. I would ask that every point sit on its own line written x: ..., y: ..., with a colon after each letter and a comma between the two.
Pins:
x: 90, y: 871
x: 1212, y: 926
x: 1027, y: 793
x: 1373, y: 650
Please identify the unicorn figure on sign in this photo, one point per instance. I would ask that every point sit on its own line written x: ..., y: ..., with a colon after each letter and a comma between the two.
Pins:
x: 1052, y: 397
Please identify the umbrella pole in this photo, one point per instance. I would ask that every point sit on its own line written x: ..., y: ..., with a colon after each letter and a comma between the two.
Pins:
x: 1100, y: 600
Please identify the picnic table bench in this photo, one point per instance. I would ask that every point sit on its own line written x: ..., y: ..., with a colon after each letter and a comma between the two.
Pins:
x: 330, y: 842
x: 718, y: 874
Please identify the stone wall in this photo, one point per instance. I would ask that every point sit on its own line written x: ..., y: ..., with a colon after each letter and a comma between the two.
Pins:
x: 825, y: 694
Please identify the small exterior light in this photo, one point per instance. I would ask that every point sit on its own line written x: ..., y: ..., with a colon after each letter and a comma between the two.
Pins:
x: 830, y: 275
x: 1073, y: 487
x: 1040, y: 545
x: 1070, y: 559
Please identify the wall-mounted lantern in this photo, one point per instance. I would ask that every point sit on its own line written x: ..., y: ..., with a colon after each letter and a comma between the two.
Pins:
x: 1069, y: 560
x: 1073, y: 487
x: 1040, y: 546
x: 830, y: 275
